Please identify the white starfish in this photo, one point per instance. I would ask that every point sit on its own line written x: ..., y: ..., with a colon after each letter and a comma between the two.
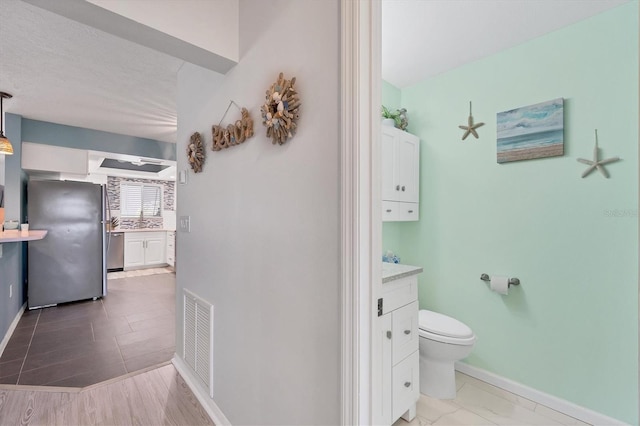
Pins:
x: 596, y: 163
x: 470, y: 127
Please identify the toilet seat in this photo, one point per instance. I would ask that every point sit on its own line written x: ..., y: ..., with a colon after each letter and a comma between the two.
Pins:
x: 442, y: 328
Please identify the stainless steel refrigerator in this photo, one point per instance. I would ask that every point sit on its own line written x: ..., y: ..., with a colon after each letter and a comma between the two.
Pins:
x: 69, y: 264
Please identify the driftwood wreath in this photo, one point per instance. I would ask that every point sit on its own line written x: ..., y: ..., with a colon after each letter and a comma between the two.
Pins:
x: 280, y: 110
x: 195, y: 153
x: 233, y: 134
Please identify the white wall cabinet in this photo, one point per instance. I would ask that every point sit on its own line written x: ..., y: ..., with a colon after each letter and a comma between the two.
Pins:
x: 400, y: 175
x: 398, y: 349
x: 143, y: 249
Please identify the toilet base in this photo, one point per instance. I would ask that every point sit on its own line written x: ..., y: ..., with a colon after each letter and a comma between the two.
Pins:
x: 437, y: 378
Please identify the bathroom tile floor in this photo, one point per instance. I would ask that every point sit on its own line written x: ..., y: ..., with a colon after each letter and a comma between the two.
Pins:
x: 479, y: 403
x: 82, y: 343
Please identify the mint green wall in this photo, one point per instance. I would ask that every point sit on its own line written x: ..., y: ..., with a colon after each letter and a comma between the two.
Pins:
x: 571, y: 328
x: 390, y: 95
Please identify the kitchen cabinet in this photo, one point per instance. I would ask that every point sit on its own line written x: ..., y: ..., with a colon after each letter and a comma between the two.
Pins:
x: 398, y: 363
x: 400, y: 168
x: 143, y: 249
x: 171, y: 248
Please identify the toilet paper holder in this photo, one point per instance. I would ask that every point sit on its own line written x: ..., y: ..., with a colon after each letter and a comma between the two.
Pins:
x: 512, y: 281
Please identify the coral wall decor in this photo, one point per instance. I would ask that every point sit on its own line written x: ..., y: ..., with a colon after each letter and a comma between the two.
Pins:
x: 280, y: 111
x: 195, y: 153
x: 233, y: 134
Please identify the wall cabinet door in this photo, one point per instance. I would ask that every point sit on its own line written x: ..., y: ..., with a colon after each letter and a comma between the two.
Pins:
x: 408, y: 167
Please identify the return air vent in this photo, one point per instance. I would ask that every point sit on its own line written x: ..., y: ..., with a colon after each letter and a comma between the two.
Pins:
x: 198, y: 338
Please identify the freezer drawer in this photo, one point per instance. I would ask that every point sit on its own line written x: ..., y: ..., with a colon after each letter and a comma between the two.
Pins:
x: 115, y: 254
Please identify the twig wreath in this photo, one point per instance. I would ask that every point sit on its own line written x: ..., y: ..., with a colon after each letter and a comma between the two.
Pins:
x: 233, y: 134
x: 195, y: 153
x: 280, y: 110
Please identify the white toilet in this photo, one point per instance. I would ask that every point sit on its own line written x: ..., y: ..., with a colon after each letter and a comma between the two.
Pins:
x: 443, y: 341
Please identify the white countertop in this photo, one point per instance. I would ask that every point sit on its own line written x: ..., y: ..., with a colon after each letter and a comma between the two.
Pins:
x: 143, y: 230
x: 395, y: 271
x: 16, y: 236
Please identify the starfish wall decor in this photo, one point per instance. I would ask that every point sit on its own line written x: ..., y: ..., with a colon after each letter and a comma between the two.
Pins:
x: 597, y: 163
x: 470, y: 127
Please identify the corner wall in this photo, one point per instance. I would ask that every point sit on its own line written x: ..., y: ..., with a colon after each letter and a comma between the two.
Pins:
x: 264, y: 241
x: 571, y: 328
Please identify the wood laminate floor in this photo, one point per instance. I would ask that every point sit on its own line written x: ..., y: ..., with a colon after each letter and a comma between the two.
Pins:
x: 83, y: 343
x: 156, y: 397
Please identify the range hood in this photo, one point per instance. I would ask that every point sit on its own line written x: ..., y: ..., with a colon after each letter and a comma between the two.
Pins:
x: 141, y: 165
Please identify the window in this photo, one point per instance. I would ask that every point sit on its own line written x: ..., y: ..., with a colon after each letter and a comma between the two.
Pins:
x: 137, y: 198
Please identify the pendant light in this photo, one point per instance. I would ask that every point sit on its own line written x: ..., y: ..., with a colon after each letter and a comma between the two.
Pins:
x: 5, y: 145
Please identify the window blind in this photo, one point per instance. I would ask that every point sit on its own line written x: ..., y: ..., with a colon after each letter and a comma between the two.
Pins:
x: 136, y: 198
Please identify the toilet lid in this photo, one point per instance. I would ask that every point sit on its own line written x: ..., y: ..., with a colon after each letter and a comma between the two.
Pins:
x: 443, y: 325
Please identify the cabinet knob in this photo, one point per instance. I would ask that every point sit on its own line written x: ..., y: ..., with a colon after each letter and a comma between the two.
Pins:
x: 410, y: 211
x: 397, y: 187
x: 388, y: 210
x: 407, y: 384
x: 402, y: 188
x: 388, y: 334
x: 407, y: 332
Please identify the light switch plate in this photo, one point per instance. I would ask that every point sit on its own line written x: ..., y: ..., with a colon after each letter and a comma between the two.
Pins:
x: 182, y: 177
x: 185, y: 223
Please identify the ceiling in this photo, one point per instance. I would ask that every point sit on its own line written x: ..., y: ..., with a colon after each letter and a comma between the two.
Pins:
x: 423, y: 38
x: 65, y: 72
x: 61, y: 71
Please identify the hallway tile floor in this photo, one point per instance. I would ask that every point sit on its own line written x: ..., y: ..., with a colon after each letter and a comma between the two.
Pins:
x: 82, y: 343
x: 479, y: 403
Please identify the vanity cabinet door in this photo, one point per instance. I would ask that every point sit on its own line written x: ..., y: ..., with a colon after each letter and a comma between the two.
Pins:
x: 406, y: 385
x: 405, y: 331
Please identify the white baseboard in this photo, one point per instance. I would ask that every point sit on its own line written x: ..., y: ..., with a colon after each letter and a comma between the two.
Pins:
x: 569, y: 408
x: 12, y: 327
x: 200, y: 392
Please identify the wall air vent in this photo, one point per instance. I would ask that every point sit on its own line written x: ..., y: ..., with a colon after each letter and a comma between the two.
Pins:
x: 140, y: 166
x: 198, y: 338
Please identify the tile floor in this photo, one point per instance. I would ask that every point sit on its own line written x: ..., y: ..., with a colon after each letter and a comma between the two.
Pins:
x: 82, y: 343
x: 479, y: 403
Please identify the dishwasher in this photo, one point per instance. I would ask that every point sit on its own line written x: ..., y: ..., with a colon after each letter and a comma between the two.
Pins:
x: 115, y: 254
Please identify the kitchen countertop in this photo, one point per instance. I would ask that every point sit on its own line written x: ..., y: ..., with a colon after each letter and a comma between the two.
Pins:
x: 143, y: 230
x: 395, y: 271
x: 15, y: 236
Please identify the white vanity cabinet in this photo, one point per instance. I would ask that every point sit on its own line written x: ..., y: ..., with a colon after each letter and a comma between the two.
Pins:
x: 398, y: 348
x: 400, y: 175
x: 144, y: 249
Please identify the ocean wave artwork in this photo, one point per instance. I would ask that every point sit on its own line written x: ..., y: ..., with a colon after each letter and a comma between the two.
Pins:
x: 534, y: 131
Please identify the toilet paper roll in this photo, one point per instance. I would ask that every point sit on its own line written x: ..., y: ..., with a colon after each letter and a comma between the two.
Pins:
x: 500, y: 284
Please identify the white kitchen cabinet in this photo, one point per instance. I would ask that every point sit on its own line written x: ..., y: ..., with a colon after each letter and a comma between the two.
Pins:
x: 171, y: 248
x: 400, y: 175
x: 398, y: 351
x: 142, y: 249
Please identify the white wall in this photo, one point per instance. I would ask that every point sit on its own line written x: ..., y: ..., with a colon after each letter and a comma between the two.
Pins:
x: 211, y: 25
x: 264, y: 241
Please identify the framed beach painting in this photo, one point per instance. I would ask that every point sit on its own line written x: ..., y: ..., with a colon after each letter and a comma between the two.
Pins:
x: 534, y: 131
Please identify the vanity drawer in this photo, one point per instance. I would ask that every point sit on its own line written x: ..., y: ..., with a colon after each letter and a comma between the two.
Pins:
x: 398, y: 293
x: 404, y: 331
x: 406, y: 384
